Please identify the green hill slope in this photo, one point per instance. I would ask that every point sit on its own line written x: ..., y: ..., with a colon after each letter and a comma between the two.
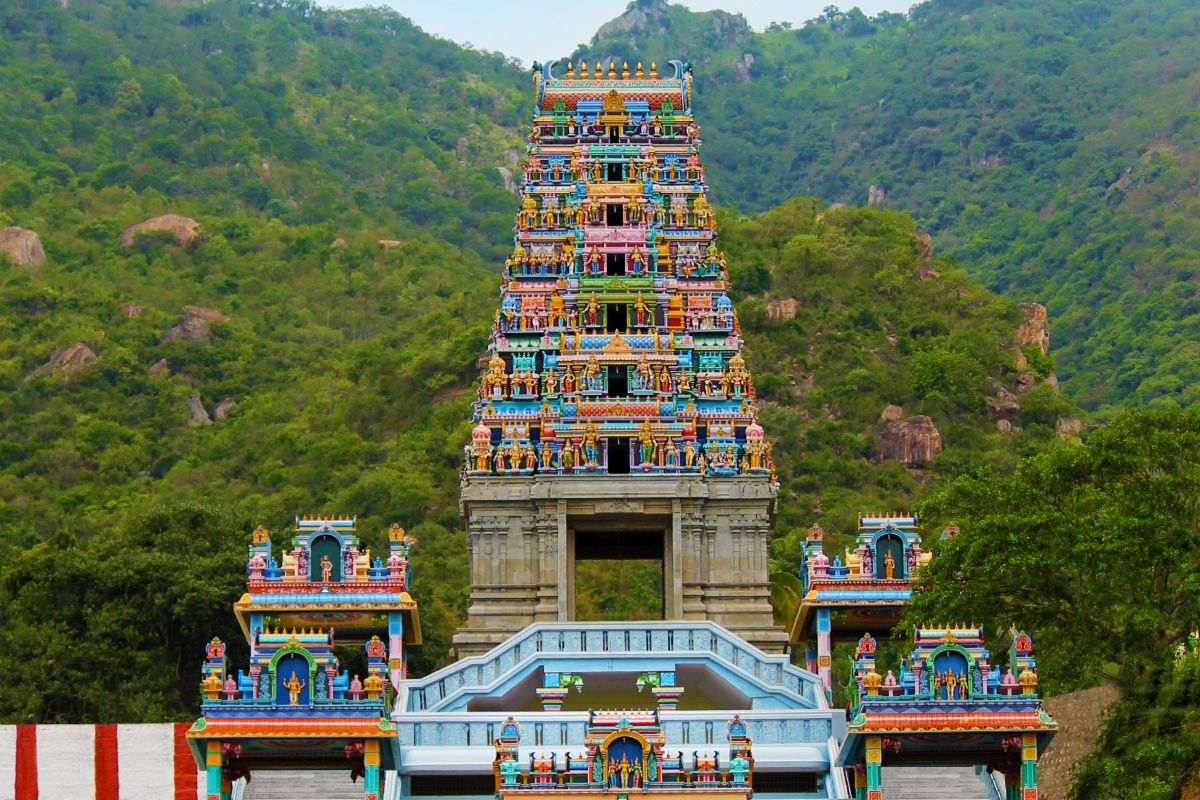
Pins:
x: 1052, y: 146
x: 350, y: 364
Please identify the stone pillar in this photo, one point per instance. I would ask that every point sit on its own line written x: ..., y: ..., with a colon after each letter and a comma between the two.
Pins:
x: 212, y: 770
x: 824, y: 649
x: 874, y: 755
x: 1029, y: 754
x: 371, y: 770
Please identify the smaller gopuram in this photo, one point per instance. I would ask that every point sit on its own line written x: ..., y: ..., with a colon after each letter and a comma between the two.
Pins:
x: 948, y: 705
x: 864, y: 590
x: 622, y: 751
x: 294, y: 707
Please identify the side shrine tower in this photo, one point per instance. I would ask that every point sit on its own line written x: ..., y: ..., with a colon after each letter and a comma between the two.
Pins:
x: 616, y: 416
x: 293, y: 708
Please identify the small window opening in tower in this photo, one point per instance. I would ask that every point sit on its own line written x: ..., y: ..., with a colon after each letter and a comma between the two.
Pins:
x: 618, y: 381
x: 614, y: 264
x: 613, y: 173
x: 612, y: 215
x: 618, y: 455
x: 616, y: 317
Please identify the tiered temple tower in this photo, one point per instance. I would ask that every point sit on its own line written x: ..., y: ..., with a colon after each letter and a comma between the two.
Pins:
x: 293, y: 707
x: 616, y: 416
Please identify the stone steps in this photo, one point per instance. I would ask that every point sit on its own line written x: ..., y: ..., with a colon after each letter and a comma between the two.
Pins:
x: 303, y: 785
x: 933, y: 783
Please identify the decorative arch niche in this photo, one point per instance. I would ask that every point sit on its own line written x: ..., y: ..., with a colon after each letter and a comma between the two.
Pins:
x: 324, y: 544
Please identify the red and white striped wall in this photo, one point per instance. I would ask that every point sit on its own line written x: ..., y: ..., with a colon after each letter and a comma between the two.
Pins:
x: 104, y: 762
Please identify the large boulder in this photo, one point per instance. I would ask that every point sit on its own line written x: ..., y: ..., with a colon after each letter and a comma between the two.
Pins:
x: 224, y: 408
x: 22, y: 246
x: 782, y: 309
x: 1035, y: 330
x: 1002, y: 405
x: 914, y: 441
x: 66, y: 361
x: 185, y: 229
x: 197, y: 415
x: 193, y: 326
x: 891, y: 413
x: 131, y: 310
x: 876, y: 194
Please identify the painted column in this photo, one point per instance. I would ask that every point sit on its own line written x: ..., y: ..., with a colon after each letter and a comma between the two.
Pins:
x: 1029, y: 767
x: 824, y: 651
x: 395, y: 647
x: 212, y: 770
x: 1012, y: 784
x: 371, y: 770
x: 860, y: 781
x: 874, y: 768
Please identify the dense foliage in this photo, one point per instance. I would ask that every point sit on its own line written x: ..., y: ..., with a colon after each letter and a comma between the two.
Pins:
x: 1095, y: 551
x: 1051, y: 145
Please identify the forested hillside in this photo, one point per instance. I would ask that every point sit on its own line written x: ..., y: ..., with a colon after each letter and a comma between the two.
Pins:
x: 1052, y: 146
x: 348, y: 365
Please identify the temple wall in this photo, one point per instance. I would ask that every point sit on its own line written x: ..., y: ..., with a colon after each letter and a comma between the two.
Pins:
x: 715, y: 555
x: 105, y: 762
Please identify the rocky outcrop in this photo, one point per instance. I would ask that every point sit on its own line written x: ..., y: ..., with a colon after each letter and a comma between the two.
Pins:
x: 160, y: 367
x: 336, y: 243
x: 388, y: 244
x: 891, y: 413
x: 224, y: 408
x: 875, y: 195
x: 925, y: 246
x: 782, y: 309
x: 1035, y: 330
x: 185, y: 229
x: 208, y: 314
x: 1080, y: 716
x: 22, y: 246
x: 193, y: 327
x: 741, y: 68
x: 914, y: 441
x: 66, y: 361
x: 1068, y: 428
x: 197, y: 415
x: 1002, y: 405
x: 131, y: 310
x: 506, y: 175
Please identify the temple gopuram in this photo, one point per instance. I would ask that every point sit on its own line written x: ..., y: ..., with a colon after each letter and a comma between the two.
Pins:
x: 616, y: 417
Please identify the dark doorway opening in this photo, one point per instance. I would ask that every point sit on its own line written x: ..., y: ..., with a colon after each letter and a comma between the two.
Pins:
x: 614, y: 263
x: 612, y: 215
x: 613, y: 172
x: 618, y: 381
x: 617, y: 570
x: 618, y: 458
x: 616, y: 317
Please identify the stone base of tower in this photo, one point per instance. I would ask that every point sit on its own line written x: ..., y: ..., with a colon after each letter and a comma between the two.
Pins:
x: 525, y: 534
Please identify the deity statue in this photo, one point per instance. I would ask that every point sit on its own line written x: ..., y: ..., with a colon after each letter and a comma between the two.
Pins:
x: 528, y: 215
x: 593, y: 310
x: 637, y: 263
x: 646, y: 440
x: 292, y: 684
x: 551, y: 381
x: 889, y: 566
x: 549, y: 216
x: 568, y: 384
x: 679, y: 215
x: 597, y: 170
x: 664, y: 379
x: 689, y: 455
x: 496, y: 379
x: 589, y: 443
x: 547, y: 457
x: 644, y: 373
x: 510, y: 770
x: 595, y: 262
x: 672, y: 454
x: 592, y: 375
x: 326, y: 568
x: 951, y: 683
x: 535, y: 132
x: 568, y: 454
x: 621, y: 772
x: 355, y: 690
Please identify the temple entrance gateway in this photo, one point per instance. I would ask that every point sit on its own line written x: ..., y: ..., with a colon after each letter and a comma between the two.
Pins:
x: 616, y: 569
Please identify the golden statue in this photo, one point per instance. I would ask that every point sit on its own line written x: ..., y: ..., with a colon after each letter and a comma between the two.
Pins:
x: 889, y: 566
x: 294, y: 687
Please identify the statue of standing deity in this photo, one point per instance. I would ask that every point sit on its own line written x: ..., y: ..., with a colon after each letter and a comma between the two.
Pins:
x: 589, y: 444
x: 647, y: 443
x: 889, y: 566
x: 293, y: 685
x: 326, y: 569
